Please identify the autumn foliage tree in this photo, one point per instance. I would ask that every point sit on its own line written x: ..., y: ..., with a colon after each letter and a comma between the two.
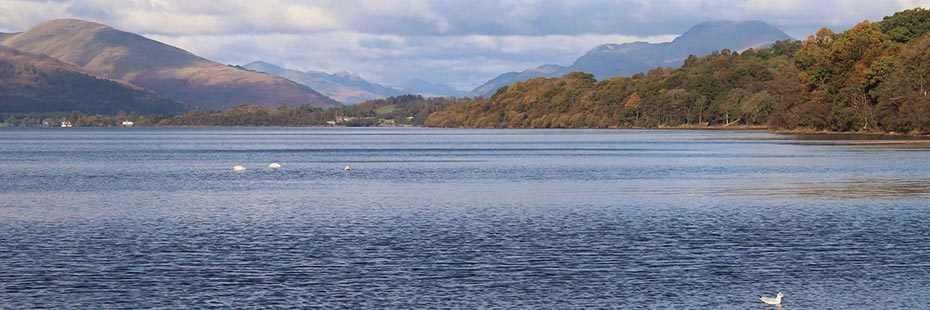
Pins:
x: 873, y: 77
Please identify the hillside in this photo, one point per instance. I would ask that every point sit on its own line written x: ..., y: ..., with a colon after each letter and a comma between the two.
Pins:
x: 345, y: 87
x: 870, y: 78
x: 35, y: 83
x: 610, y: 60
x: 168, y: 71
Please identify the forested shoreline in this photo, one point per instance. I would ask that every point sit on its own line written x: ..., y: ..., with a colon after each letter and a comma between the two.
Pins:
x: 405, y: 110
x: 873, y: 77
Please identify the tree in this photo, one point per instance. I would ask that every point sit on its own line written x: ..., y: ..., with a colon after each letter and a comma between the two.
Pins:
x: 905, y: 102
x: 904, y: 26
x: 757, y: 108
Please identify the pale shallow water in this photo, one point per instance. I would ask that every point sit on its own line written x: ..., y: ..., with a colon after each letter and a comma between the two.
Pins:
x: 430, y: 218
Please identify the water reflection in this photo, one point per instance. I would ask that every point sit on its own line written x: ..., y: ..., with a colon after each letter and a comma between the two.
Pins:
x: 154, y: 218
x: 857, y: 137
x: 864, y: 189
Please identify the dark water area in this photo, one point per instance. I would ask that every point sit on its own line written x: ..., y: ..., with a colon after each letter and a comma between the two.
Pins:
x: 433, y: 218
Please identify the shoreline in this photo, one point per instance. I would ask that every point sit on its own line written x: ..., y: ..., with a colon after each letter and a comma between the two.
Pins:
x: 796, y: 132
x: 847, y: 133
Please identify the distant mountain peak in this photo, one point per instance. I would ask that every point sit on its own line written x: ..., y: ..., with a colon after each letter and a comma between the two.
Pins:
x: 550, y: 68
x: 262, y: 63
x: 609, y: 60
x: 725, y: 31
x: 619, y: 46
x: 716, y: 24
x: 262, y: 66
x: 419, y: 86
x: 345, y: 86
x: 70, y: 22
x: 348, y: 75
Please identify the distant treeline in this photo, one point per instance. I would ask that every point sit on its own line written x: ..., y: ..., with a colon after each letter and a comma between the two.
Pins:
x: 54, y: 119
x: 873, y: 77
x: 406, y: 110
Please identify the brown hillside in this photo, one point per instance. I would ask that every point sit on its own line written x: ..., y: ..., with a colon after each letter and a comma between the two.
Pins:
x: 36, y: 83
x: 168, y: 71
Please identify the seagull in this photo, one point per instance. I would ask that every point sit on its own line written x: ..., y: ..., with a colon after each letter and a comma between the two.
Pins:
x: 238, y: 168
x: 347, y: 169
x: 274, y: 166
x: 775, y: 301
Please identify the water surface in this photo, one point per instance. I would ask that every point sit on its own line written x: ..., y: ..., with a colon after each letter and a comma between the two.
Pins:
x: 431, y: 218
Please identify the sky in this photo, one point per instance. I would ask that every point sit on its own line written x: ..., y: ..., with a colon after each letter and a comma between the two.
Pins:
x: 458, y: 42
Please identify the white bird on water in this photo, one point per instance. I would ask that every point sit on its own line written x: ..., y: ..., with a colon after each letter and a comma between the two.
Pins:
x: 238, y: 168
x: 274, y: 166
x: 775, y: 301
x: 347, y: 169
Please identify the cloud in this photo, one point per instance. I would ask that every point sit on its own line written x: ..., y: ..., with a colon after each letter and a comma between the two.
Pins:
x: 17, y: 15
x: 443, y: 17
x: 464, y: 60
x: 452, y: 41
x: 208, y: 17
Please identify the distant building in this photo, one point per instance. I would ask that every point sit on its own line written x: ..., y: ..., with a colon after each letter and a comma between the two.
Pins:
x: 345, y: 119
x: 348, y: 120
x: 128, y: 124
x: 66, y: 124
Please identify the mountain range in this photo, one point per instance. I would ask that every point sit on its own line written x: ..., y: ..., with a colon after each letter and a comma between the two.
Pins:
x: 151, y: 72
x: 343, y: 86
x: 610, y: 60
x: 165, y: 70
x: 350, y: 88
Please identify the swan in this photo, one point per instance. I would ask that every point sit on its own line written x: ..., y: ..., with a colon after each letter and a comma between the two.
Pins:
x: 775, y: 301
x: 238, y: 168
x: 274, y: 166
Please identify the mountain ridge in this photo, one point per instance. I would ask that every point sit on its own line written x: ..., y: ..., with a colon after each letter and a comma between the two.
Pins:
x: 428, y: 89
x: 609, y: 60
x: 4, y: 35
x: 166, y: 70
x: 343, y: 86
x: 490, y: 87
x: 351, y: 88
